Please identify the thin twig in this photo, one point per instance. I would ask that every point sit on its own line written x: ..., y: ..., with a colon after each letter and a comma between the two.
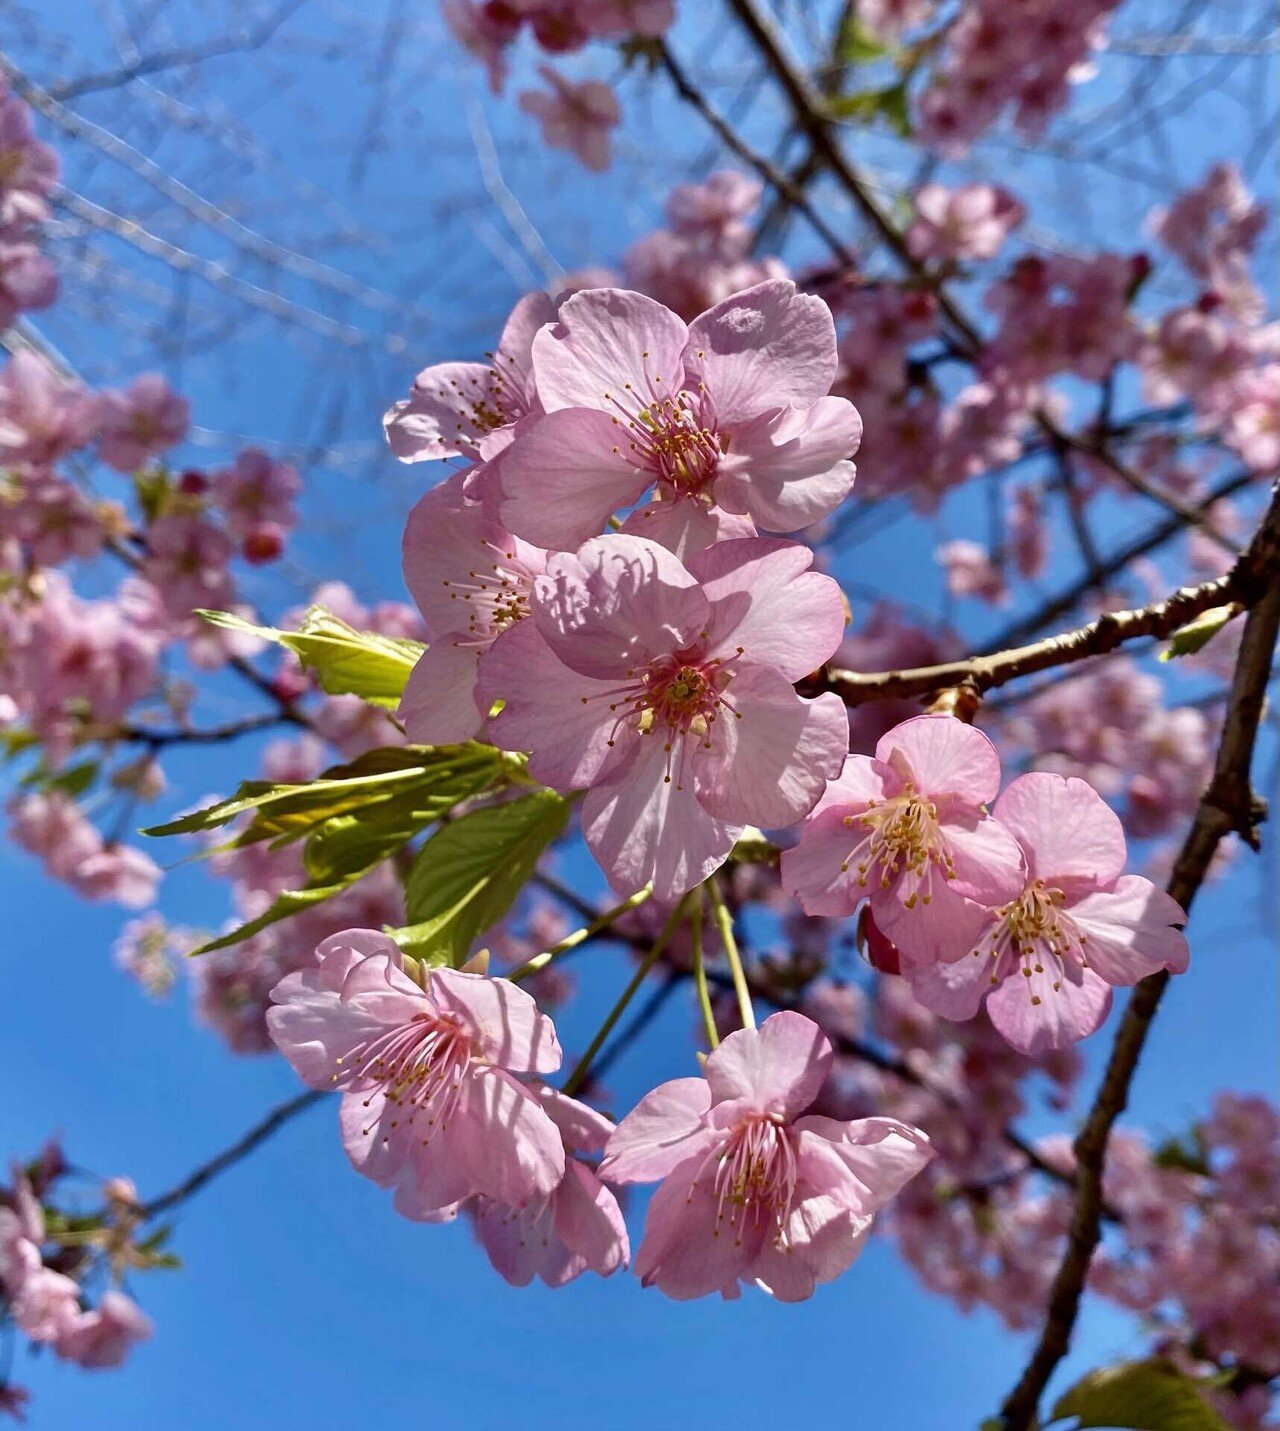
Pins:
x: 240, y: 1149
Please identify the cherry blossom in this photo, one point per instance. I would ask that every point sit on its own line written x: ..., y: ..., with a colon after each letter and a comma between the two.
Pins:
x: 971, y: 222
x: 578, y: 1228
x: 730, y: 412
x: 472, y: 580
x: 751, y: 1189
x: 667, y: 689
x: 139, y: 423
x: 908, y: 830
x: 577, y: 117
x: 1046, y: 961
x: 431, y: 1105
x: 470, y: 409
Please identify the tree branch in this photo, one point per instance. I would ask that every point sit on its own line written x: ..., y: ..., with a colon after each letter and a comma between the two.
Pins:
x: 240, y: 1149
x: 1229, y: 804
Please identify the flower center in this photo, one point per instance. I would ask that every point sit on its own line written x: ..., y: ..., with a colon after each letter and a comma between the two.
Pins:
x: 679, y: 698
x: 670, y: 435
x: 418, y: 1067
x: 902, y: 841
x: 1030, y: 929
x: 755, y: 1176
x: 497, y: 596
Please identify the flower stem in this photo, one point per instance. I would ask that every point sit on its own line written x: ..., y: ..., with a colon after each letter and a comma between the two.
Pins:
x: 700, y: 975
x: 724, y: 923
x: 579, y: 936
x: 578, y: 1077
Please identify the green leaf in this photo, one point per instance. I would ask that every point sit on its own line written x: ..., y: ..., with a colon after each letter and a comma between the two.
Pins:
x: 468, y: 874
x: 859, y: 44
x: 346, y: 661
x: 1139, y: 1396
x: 1195, y: 635
x: 73, y: 781
x: 292, y: 810
x: 866, y: 106
x: 1189, y: 1156
x: 352, y: 818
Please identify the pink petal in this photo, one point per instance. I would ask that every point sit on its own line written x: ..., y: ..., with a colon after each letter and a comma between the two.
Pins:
x: 945, y: 756
x: 795, y: 469
x: 1066, y: 828
x: 313, y: 1029
x: 589, y: 1221
x: 442, y: 415
x: 763, y: 348
x: 1129, y: 931
x: 877, y: 1157
x: 663, y: 1130
x: 377, y: 1140
x: 775, y: 755
x: 564, y: 718
x: 988, y: 860
x: 764, y: 598
x: 499, y: 1133
x: 438, y: 704
x: 861, y: 780
x: 515, y: 345
x: 811, y: 869
x: 615, y: 605
x: 643, y: 826
x: 1062, y: 1015
x: 945, y: 928
x: 688, y: 1251
x: 565, y: 475
x: 778, y: 1068
x: 507, y: 1024
x: 686, y: 526
x: 821, y: 1240
x: 582, y: 1128
x: 602, y: 340
x: 955, y: 989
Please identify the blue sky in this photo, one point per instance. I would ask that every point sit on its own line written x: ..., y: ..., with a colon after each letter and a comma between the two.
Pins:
x: 303, y: 1299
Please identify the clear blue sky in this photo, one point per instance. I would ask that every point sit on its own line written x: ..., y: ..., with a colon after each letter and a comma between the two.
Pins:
x: 304, y: 1301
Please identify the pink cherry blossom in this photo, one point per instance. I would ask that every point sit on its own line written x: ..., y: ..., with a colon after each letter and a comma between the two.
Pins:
x: 908, y: 830
x: 731, y: 412
x: 28, y: 281
x: 28, y: 168
x: 578, y: 1228
x: 472, y: 581
x: 1046, y: 960
x: 971, y: 222
x: 484, y: 31
x: 431, y: 1104
x: 186, y: 563
x: 45, y: 1304
x: 43, y: 416
x: 668, y: 690
x: 103, y: 1336
x: 141, y: 422
x: 971, y: 572
x: 578, y: 117
x: 256, y: 491
x: 751, y: 1189
x: 470, y: 409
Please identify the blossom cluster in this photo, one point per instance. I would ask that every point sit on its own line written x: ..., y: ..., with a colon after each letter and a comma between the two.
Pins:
x: 28, y: 173
x: 577, y: 115
x: 46, y: 1258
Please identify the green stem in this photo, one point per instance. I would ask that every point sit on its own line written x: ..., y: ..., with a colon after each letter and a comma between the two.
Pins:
x: 700, y: 975
x: 579, y: 1074
x: 724, y: 923
x: 579, y: 936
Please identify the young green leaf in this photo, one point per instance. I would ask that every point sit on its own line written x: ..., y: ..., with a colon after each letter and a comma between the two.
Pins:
x: 346, y: 661
x: 469, y: 872
x: 1139, y: 1396
x: 1195, y: 635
